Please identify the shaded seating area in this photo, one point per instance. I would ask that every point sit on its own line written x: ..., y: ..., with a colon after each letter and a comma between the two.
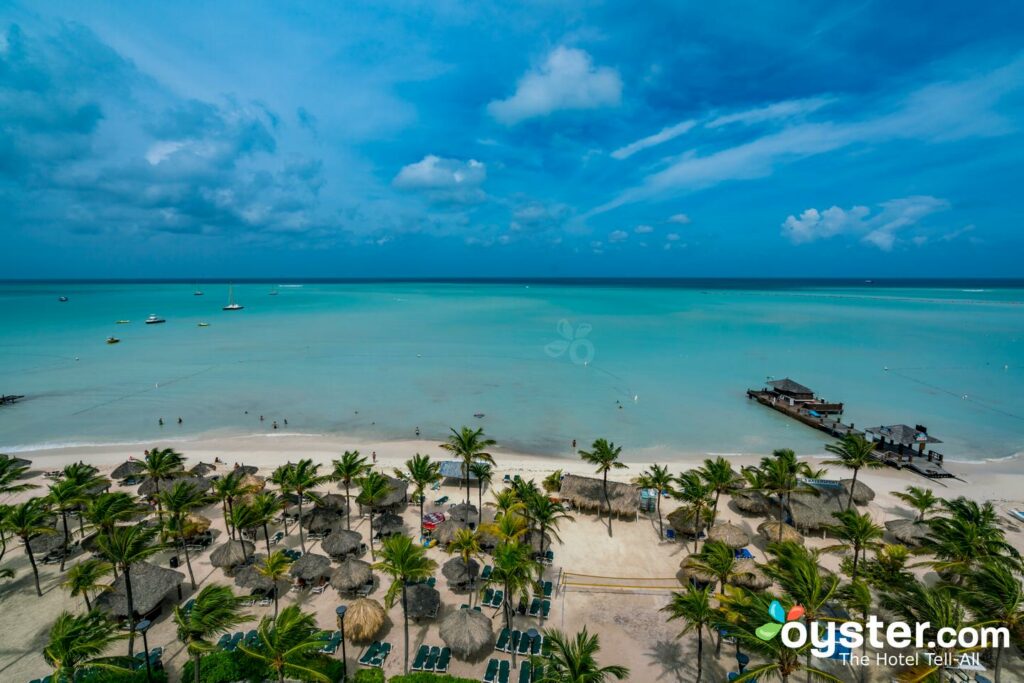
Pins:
x: 353, y: 577
x: 432, y: 658
x: 375, y: 655
x: 587, y: 494
x: 467, y: 632
x: 341, y: 543
x: 422, y: 601
x: 150, y: 585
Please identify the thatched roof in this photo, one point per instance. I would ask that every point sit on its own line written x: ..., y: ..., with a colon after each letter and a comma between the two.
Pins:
x: 150, y: 488
x: 150, y: 585
x: 350, y: 575
x: 770, y: 531
x: 752, y: 502
x: 202, y: 469
x: 320, y: 520
x: 364, y: 619
x: 862, y: 493
x: 445, y: 531
x: 197, y: 524
x: 311, y: 567
x: 42, y: 544
x: 690, y: 570
x: 815, y: 512
x: 422, y: 600
x: 487, y: 540
x: 388, y: 523
x: 245, y: 470
x: 464, y: 512
x: 249, y: 577
x: 130, y: 468
x: 907, y: 531
x: 902, y: 434
x: 748, y: 574
x: 467, y: 632
x: 587, y: 493
x: 684, y: 521
x: 342, y: 542
x: 729, y: 534
x: 398, y: 494
x: 15, y: 460
x: 459, y: 573
x: 231, y: 553
x: 332, y: 501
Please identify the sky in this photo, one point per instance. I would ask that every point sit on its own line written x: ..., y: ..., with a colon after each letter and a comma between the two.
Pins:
x: 552, y: 139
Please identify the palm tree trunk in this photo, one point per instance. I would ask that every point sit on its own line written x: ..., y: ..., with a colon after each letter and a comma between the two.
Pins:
x: 227, y: 521
x: 853, y: 485
x: 231, y: 514
x: 696, y: 535
x: 64, y: 545
x: 479, y: 502
x: 856, y: 555
x: 997, y: 665
x: 405, y: 613
x: 131, y: 610
x: 196, y: 658
x: 275, y: 601
x: 32, y: 561
x: 188, y: 563
x: 266, y: 537
x: 372, y: 557
x: 422, y: 496
x: 607, y: 502
x: 81, y: 522
x: 302, y: 536
x: 661, y: 524
x: 3, y: 544
x: 700, y: 653
x: 348, y: 510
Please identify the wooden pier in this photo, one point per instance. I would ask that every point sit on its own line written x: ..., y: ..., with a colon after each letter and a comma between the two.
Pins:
x: 899, y: 446
x: 6, y: 399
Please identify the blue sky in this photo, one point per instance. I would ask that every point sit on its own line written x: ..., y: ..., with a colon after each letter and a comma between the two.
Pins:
x: 533, y: 138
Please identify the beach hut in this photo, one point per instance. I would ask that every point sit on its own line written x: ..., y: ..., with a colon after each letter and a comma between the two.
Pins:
x: 749, y: 574
x: 396, y: 498
x: 332, y: 501
x: 862, y: 493
x: 388, y: 524
x: 791, y: 389
x: 770, y: 531
x: 729, y: 534
x: 244, y: 470
x: 364, y: 620
x: 351, y: 575
x: 128, y: 469
x: 43, y: 544
x: 250, y: 577
x: 422, y: 601
x: 813, y: 512
x: 459, y: 573
x: 445, y: 531
x: 587, y: 494
x: 752, y: 502
x: 311, y: 567
x: 340, y: 543
x: 322, y: 520
x: 487, y: 540
x: 231, y: 554
x: 684, y: 521
x: 150, y: 585
x: 463, y: 512
x: 907, y: 531
x: 690, y: 569
x: 202, y: 469
x: 152, y: 487
x: 467, y: 632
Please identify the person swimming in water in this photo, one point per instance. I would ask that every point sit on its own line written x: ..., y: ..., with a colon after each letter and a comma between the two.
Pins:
x: 161, y: 421
x: 180, y: 420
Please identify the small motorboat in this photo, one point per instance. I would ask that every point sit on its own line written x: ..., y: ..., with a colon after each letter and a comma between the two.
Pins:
x: 272, y: 292
x: 123, y: 322
x: 62, y: 299
x: 154, y: 320
x: 478, y: 415
x: 204, y: 324
x: 197, y: 293
x: 113, y: 340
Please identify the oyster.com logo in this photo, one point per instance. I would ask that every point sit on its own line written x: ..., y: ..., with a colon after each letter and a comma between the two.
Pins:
x: 573, y: 342
x: 779, y: 618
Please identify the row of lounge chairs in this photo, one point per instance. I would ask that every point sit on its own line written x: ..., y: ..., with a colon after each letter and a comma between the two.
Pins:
x: 229, y: 643
x: 156, y: 659
x: 376, y: 654
x: 498, y: 671
x: 493, y: 598
x: 518, y: 642
x: 540, y: 608
x: 434, y: 659
x: 332, y: 643
x: 528, y: 672
x: 432, y: 581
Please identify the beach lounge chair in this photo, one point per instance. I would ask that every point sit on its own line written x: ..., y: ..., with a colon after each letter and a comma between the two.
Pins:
x: 513, y: 642
x: 382, y: 655
x: 431, y: 662
x: 224, y: 640
x: 369, y: 653
x: 486, y: 573
x: 524, y: 645
x: 488, y: 594
x: 549, y: 557
x: 502, y: 643
x: 499, y: 597
x: 535, y: 607
x: 1017, y: 515
x: 491, y: 675
x: 421, y: 658
x: 525, y: 673
x: 442, y: 662
x: 441, y: 501
x: 504, y: 669
x: 545, y: 608
x: 548, y: 589
x: 670, y: 534
x: 432, y: 581
x: 537, y: 646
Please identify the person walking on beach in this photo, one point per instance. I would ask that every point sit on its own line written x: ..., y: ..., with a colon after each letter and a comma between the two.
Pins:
x: 374, y: 455
x: 574, y: 444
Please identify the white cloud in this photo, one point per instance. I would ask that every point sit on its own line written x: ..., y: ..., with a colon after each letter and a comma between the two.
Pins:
x: 617, y: 235
x: 680, y: 218
x: 880, y: 229
x: 777, y: 110
x: 567, y: 79
x: 664, y: 135
x: 643, y: 229
x: 437, y: 173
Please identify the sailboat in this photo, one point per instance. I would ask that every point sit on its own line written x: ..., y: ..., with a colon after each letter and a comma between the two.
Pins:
x: 197, y: 292
x: 232, y: 306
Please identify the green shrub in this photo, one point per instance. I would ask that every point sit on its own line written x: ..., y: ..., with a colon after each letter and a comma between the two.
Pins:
x: 425, y: 677
x: 227, y: 667
x: 369, y: 676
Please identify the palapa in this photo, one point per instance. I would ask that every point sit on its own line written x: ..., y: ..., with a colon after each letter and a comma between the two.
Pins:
x: 351, y: 575
x: 130, y: 468
x: 422, y: 601
x: 342, y: 542
x: 862, y: 493
x: 364, y: 619
x: 463, y: 512
x: 332, y: 501
x: 770, y: 531
x: 244, y: 470
x: 587, y: 493
x: 729, y: 534
x: 250, y: 577
x: 15, y: 460
x: 684, y: 521
x: 150, y: 585
x: 311, y: 567
x: 748, y: 574
x: 151, y: 487
x: 459, y: 573
x: 445, y: 531
x: 691, y: 568
x: 388, y: 524
x: 231, y: 554
x: 42, y: 544
x: 809, y: 511
x: 202, y: 469
x: 487, y: 540
x: 467, y: 632
x: 752, y: 502
x: 322, y: 520
x: 907, y: 531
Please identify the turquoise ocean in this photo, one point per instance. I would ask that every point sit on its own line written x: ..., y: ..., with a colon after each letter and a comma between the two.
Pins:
x: 660, y: 364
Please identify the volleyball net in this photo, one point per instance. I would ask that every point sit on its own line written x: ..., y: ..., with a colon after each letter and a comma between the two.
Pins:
x: 575, y: 581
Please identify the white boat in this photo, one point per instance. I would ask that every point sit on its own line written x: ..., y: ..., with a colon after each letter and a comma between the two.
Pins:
x: 154, y: 320
x: 232, y: 306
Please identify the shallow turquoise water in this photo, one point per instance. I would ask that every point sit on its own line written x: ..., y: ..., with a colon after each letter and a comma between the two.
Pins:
x: 660, y: 366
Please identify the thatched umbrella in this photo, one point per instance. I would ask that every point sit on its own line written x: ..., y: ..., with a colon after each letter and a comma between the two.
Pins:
x: 459, y: 573
x: 15, y: 460
x: 683, y: 521
x: 533, y: 539
x: 249, y: 577
x: 322, y: 520
x: 388, y: 523
x: 752, y: 502
x: 150, y: 487
x: 729, y: 534
x: 422, y: 600
x: 46, y: 543
x: 364, y: 619
x: 467, y: 632
x: 770, y: 531
x: 231, y: 554
x: 907, y: 531
x: 245, y: 469
x: 342, y: 542
x: 445, y: 531
x: 862, y: 493
x: 252, y: 483
x: 311, y: 567
x: 350, y: 575
x: 202, y: 469
x: 130, y: 468
x: 749, y: 575
x: 332, y: 501
x: 398, y: 494
x: 463, y: 512
x: 811, y: 511
x: 690, y: 569
x: 150, y: 585
x: 487, y: 540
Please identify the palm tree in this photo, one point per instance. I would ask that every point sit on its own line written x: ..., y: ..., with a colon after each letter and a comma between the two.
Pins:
x: 405, y: 562
x: 162, y: 464
x: 466, y: 544
x: 76, y: 644
x: 514, y: 571
x: 348, y: 469
x: 282, y: 477
x: 693, y: 608
x: 695, y: 494
x: 125, y: 546
x: 10, y: 473
x: 856, y: 596
x: 484, y: 473
x: 660, y: 479
x: 374, y: 488
x: 181, y: 499
x: 265, y: 507
x: 26, y: 521
x: 505, y: 501
x: 720, y: 478
x: 545, y: 516
x: 605, y: 456
x: 275, y: 567
x: 107, y: 509
x: 469, y: 445
x: 227, y: 490
x: 856, y: 532
x: 853, y: 452
x: 290, y: 643
x: 994, y: 593
x: 966, y: 535
x: 421, y: 472
x: 245, y: 517
x: 779, y: 475
x: 215, y: 610
x: 921, y: 499
x: 87, y: 577
x: 553, y: 482
x: 717, y: 559
x: 511, y: 526
x: 304, y: 477
x: 64, y: 496
x: 574, y: 660
x: 89, y: 480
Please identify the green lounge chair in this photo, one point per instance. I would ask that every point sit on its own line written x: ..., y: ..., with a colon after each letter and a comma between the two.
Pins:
x: 431, y: 662
x: 382, y: 655
x: 491, y: 675
x: 504, y: 669
x: 537, y: 642
x: 367, y: 657
x: 421, y: 657
x: 486, y: 573
x: 524, y: 672
x: 441, y: 501
x: 524, y: 645
x: 548, y: 589
x: 513, y: 643
x: 545, y: 608
x: 535, y: 607
x: 499, y: 596
x: 549, y: 557
x: 432, y: 581
x: 502, y: 641
x: 443, y: 660
x: 488, y: 595
x: 224, y: 640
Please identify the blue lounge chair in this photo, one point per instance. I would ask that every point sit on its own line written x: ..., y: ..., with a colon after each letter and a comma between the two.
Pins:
x: 670, y: 534
x: 535, y: 607
x: 548, y: 589
x: 545, y: 608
